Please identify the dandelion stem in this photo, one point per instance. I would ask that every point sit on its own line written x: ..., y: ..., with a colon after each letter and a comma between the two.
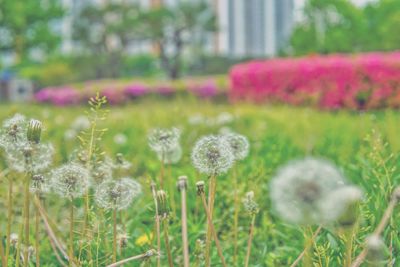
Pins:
x: 114, y: 235
x: 26, y: 221
x: 37, y: 237
x: 211, y: 199
x: 162, y: 171
x: 349, y: 246
x: 9, y: 217
x: 146, y: 255
x: 166, y: 239
x: 71, y: 233
x: 300, y: 257
x: 381, y: 226
x: 182, y: 187
x: 212, y: 229
x: 2, y: 255
x: 235, y: 216
x: 249, y: 242
x: 157, y: 221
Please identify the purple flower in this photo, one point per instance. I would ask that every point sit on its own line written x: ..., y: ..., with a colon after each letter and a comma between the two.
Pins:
x: 65, y: 96
x: 114, y: 96
x: 206, y: 90
x: 164, y: 90
x: 135, y: 90
x: 44, y: 95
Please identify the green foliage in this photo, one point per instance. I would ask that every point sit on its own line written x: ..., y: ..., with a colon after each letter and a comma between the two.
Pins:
x: 369, y: 159
x: 340, y: 26
x: 27, y: 24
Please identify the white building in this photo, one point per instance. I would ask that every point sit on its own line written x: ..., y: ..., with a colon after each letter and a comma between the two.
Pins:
x: 246, y: 28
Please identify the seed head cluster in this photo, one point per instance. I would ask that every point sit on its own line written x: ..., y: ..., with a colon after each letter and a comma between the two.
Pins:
x: 117, y: 194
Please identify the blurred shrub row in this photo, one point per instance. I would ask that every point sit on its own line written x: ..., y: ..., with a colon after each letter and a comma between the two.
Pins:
x: 364, y: 81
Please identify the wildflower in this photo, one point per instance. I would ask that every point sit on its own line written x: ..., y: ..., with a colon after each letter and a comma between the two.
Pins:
x: 39, y: 184
x: 299, y: 189
x: 342, y: 205
x: 117, y: 194
x: 171, y: 156
x: 13, y: 131
x: 29, y: 157
x: 162, y: 140
x: 249, y: 203
x: 34, y: 131
x: 70, y: 180
x: 120, y: 139
x: 212, y: 155
x: 239, y: 144
x: 144, y: 239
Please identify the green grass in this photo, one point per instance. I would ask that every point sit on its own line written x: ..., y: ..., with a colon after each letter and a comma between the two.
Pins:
x: 365, y: 145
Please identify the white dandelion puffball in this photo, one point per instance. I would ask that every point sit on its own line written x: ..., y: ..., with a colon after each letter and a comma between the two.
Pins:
x: 80, y: 123
x: 117, y: 194
x: 337, y: 203
x: 172, y: 156
x: 299, y: 189
x: 71, y: 180
x: 239, y: 144
x: 120, y: 139
x: 163, y: 139
x: 13, y: 131
x: 212, y: 155
x: 30, y: 157
x: 39, y: 184
x: 101, y: 172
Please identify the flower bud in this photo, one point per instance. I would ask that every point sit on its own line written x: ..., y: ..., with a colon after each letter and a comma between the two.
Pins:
x: 200, y: 187
x: 376, y: 251
x: 34, y: 131
x: 182, y: 182
x: 163, y: 209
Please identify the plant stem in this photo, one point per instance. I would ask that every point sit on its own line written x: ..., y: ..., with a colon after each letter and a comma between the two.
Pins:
x: 182, y: 187
x: 9, y: 217
x: 37, y: 229
x: 166, y: 239
x: 26, y: 221
x: 157, y: 221
x: 349, y: 246
x: 71, y: 233
x: 2, y: 255
x: 235, y: 216
x: 212, y: 229
x: 297, y: 261
x: 114, y: 259
x: 162, y: 171
x: 249, y: 242
x: 211, y: 199
x: 146, y: 255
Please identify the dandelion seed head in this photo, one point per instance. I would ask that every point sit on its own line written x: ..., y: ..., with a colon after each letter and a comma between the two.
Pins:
x: 212, y: 155
x: 117, y: 194
x: 239, y: 144
x: 39, y: 184
x: 13, y: 131
x: 172, y: 156
x: 120, y: 139
x: 122, y: 240
x: 163, y: 139
x: 14, y: 239
x: 101, y: 172
x: 342, y: 205
x: 80, y: 123
x: 299, y: 189
x: 376, y: 250
x: 30, y: 157
x: 71, y: 180
x: 249, y: 203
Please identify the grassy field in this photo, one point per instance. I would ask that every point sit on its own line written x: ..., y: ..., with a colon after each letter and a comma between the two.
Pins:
x: 364, y: 145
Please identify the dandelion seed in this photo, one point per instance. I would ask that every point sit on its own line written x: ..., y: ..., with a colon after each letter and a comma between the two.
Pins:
x: 299, y: 189
x: 117, y: 194
x: 172, y: 156
x: 162, y: 140
x: 239, y: 144
x: 70, y: 180
x: 212, y: 155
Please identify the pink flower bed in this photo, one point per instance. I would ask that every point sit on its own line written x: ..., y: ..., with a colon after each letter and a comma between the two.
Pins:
x: 337, y: 81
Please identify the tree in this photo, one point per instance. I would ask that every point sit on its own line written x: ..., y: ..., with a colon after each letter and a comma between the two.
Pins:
x: 104, y: 33
x: 26, y: 25
x: 173, y: 29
